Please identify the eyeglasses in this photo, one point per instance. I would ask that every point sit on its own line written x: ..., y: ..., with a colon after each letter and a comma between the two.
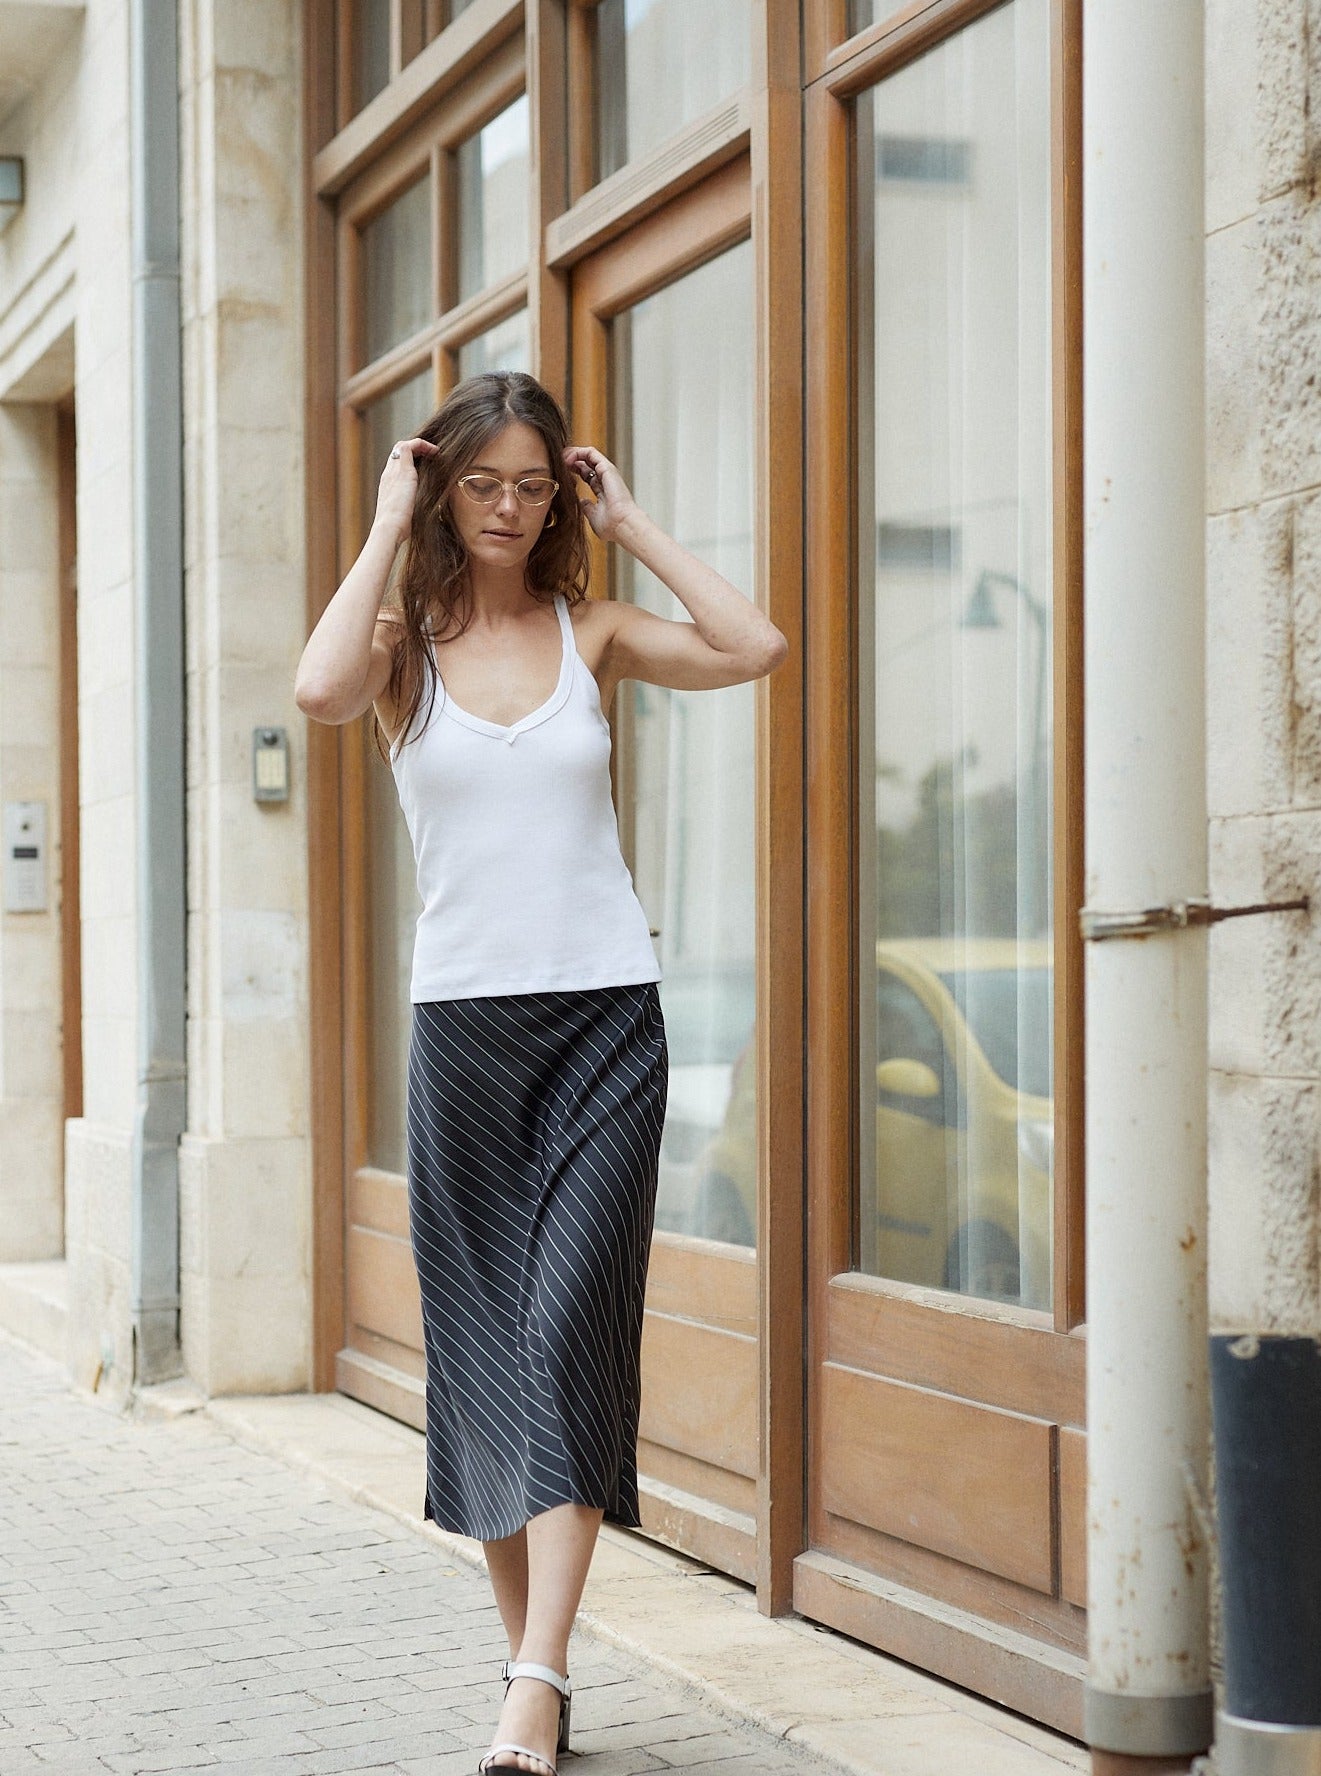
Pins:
x: 532, y: 490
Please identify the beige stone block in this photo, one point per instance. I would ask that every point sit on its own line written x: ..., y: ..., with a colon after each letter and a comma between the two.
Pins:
x: 27, y: 529
x: 29, y: 706
x: 206, y: 1074
x: 1233, y: 399
x: 109, y: 970
x: 105, y: 635
x: 266, y: 1079
x: 97, y: 1159
x: 27, y: 447
x: 1297, y: 559
x: 263, y: 973
x: 260, y: 518
x: 262, y: 36
x: 105, y: 531
x: 260, y: 857
x: 30, y: 963
x: 33, y: 1053
x: 110, y: 1082
x: 106, y: 743
x: 1291, y: 866
x: 1236, y: 1246
x: 107, y: 859
x: 262, y: 622
x: 31, y: 1179
x: 249, y: 1208
x: 31, y: 774
x: 1284, y: 51
x: 1233, y: 176
x: 256, y: 1336
x: 1289, y: 320
x: 28, y: 616
x: 259, y: 373
x: 1237, y: 949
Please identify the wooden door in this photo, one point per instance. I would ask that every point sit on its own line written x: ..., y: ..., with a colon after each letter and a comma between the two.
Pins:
x: 946, y: 1390
x: 664, y: 382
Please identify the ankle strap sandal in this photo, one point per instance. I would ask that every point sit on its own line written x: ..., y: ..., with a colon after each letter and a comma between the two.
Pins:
x: 511, y: 1669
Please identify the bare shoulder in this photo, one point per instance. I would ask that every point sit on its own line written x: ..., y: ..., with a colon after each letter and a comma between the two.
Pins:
x: 594, y: 624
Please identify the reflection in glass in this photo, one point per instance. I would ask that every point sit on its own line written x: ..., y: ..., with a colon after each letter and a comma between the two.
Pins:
x: 396, y: 415
x: 683, y: 381
x: 502, y: 347
x: 393, y: 903
x: 396, y: 270
x: 655, y: 72
x: 371, y: 50
x: 953, y: 294
x: 493, y: 213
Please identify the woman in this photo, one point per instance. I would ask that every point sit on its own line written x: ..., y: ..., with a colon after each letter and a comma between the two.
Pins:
x: 538, y: 1064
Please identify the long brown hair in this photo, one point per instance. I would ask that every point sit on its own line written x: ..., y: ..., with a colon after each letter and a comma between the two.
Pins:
x: 432, y: 581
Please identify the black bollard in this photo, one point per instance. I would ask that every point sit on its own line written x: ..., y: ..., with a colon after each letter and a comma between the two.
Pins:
x: 1266, y: 1409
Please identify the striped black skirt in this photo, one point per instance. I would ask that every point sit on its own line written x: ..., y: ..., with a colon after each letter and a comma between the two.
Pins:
x: 534, y: 1130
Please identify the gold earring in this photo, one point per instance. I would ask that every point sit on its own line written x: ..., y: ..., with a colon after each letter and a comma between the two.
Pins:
x: 551, y: 520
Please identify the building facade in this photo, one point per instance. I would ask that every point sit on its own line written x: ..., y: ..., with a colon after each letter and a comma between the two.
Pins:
x: 811, y: 274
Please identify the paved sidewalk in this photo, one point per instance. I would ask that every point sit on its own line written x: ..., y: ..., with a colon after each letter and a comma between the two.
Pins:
x: 173, y: 1601
x: 245, y: 1585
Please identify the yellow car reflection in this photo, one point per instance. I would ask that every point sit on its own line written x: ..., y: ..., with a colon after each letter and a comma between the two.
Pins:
x: 961, y: 1197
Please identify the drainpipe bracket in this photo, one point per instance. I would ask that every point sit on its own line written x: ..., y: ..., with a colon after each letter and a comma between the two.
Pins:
x: 1179, y: 915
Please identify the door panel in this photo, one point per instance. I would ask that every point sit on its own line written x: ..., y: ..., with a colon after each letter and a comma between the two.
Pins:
x: 908, y: 1461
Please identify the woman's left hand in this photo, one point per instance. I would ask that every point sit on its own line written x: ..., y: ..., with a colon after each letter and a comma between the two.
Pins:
x: 613, y: 503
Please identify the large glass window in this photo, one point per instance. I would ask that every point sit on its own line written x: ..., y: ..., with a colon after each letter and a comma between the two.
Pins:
x: 953, y: 293
x: 493, y: 190
x: 683, y: 381
x: 396, y: 270
x: 503, y: 347
x: 658, y: 67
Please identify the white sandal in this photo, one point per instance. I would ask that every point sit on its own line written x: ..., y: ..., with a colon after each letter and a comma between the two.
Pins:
x: 511, y: 1669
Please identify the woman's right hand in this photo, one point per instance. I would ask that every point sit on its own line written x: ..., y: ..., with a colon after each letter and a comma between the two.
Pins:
x: 398, y: 485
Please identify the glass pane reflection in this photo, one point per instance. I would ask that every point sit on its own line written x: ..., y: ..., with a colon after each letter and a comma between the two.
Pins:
x: 393, y: 900
x: 953, y: 291
x: 502, y: 347
x: 371, y: 50
x: 655, y: 72
x: 493, y: 213
x: 396, y: 269
x: 683, y: 380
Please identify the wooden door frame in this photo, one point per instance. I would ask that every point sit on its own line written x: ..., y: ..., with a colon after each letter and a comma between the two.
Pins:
x: 928, y: 1335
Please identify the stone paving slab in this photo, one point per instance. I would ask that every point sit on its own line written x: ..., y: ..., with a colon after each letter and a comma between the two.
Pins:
x: 172, y: 1601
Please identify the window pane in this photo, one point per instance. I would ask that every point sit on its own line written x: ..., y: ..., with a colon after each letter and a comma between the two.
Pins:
x: 371, y: 50
x: 396, y: 270
x: 683, y: 381
x: 393, y: 902
x: 503, y: 347
x: 493, y: 214
x: 655, y: 72
x: 953, y: 291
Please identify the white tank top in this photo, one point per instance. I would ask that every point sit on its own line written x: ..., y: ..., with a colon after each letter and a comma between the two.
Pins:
x: 524, y: 888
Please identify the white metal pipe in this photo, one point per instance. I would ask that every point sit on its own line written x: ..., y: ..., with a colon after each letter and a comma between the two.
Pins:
x: 161, y: 1109
x: 1148, y: 1690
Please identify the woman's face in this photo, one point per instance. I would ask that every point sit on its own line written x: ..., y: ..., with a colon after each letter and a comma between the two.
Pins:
x: 505, y: 531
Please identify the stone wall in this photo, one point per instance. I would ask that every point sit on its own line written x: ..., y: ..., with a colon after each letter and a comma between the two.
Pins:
x: 1264, y: 654
x: 246, y: 1161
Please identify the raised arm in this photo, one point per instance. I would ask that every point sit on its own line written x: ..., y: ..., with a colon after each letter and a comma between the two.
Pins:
x: 728, y: 641
x: 345, y: 665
